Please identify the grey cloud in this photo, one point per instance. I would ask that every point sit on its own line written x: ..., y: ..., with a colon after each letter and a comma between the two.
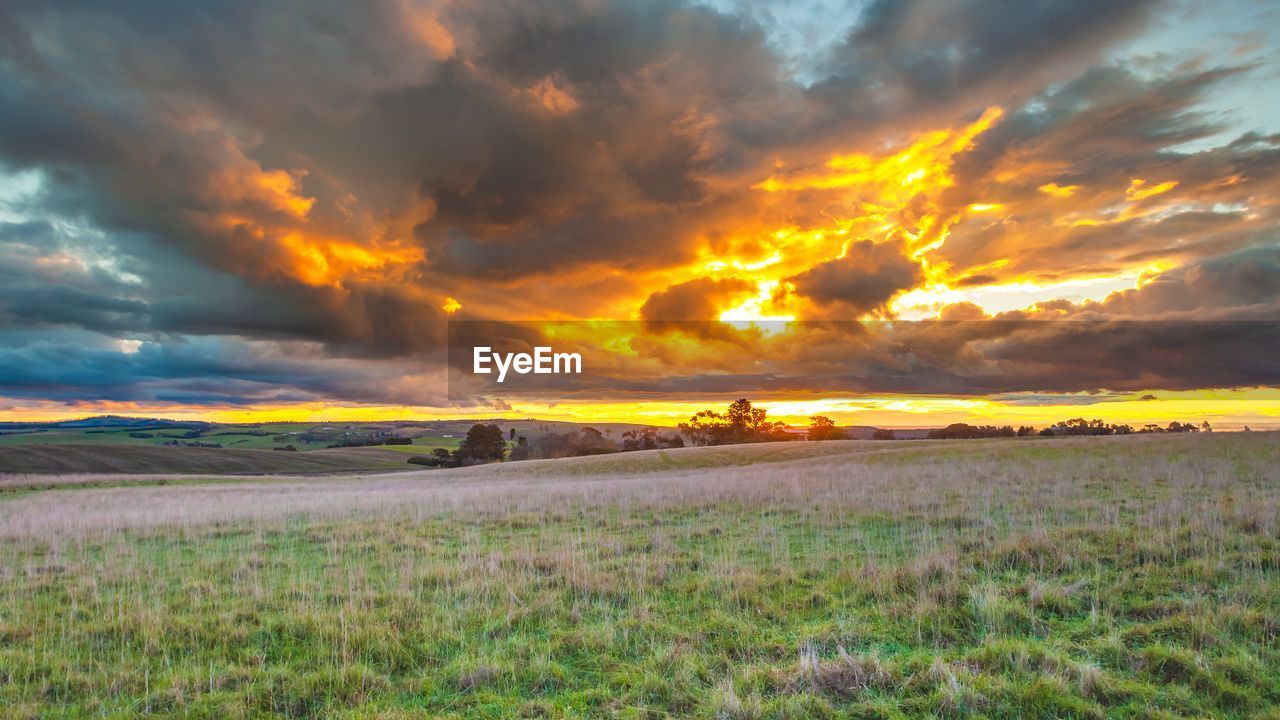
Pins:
x: 905, y: 56
x: 1099, y: 133
x: 698, y: 299
x: 867, y: 276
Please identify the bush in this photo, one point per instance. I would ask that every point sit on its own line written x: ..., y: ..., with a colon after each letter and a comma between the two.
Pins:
x: 822, y: 427
x: 399, y: 441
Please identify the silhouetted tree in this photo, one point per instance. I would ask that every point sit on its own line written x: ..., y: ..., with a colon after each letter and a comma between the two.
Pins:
x: 521, y: 450
x: 649, y: 438
x: 883, y: 434
x: 741, y: 423
x: 482, y: 444
x: 822, y: 427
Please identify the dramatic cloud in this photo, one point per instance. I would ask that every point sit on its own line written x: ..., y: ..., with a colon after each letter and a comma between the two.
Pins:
x: 862, y: 279
x: 699, y: 299
x: 252, y: 203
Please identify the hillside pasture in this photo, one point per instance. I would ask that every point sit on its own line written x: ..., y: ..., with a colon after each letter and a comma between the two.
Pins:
x: 1134, y: 577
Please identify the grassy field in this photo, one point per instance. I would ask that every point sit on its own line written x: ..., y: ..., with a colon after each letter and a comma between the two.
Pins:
x: 1085, y: 577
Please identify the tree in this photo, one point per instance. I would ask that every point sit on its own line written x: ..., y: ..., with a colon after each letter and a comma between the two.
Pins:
x: 439, y: 457
x: 883, y: 434
x: 511, y: 434
x: 483, y: 443
x: 740, y: 424
x: 521, y: 450
x: 1080, y: 426
x: 822, y: 427
x: 649, y: 438
x: 706, y: 427
x: 1026, y: 431
x: 744, y: 418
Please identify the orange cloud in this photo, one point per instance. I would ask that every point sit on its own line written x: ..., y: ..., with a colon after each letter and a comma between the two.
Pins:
x: 1138, y: 189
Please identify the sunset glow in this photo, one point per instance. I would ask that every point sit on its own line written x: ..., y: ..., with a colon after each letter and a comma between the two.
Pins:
x: 238, y: 244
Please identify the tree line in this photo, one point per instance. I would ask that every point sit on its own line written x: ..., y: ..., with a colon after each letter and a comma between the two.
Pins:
x: 1075, y: 426
x: 741, y: 422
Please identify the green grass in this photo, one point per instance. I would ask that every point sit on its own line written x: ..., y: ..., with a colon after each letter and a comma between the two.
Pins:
x: 424, y: 445
x: 1127, y: 577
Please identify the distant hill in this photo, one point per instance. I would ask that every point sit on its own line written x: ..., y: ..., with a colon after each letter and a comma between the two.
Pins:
x: 864, y: 432
x: 106, y: 421
x: 312, y: 436
x: 144, y: 459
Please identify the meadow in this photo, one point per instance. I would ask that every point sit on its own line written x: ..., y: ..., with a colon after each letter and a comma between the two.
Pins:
x: 1129, y: 577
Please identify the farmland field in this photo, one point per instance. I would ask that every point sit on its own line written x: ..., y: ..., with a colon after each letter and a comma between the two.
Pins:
x: 1044, y: 578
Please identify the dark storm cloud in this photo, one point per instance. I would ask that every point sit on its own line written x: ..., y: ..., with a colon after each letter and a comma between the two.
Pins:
x: 142, y: 121
x: 695, y: 300
x: 522, y: 139
x: 574, y: 138
x: 908, y: 56
x: 1245, y: 284
x: 866, y: 277
x: 78, y: 366
x: 58, y: 277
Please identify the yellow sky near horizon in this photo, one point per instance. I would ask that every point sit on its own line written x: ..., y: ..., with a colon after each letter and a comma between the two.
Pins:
x: 1258, y: 409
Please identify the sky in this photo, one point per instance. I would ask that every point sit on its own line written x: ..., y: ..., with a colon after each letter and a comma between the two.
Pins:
x: 893, y: 212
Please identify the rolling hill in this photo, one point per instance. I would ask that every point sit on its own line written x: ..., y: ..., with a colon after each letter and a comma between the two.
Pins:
x: 76, y: 458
